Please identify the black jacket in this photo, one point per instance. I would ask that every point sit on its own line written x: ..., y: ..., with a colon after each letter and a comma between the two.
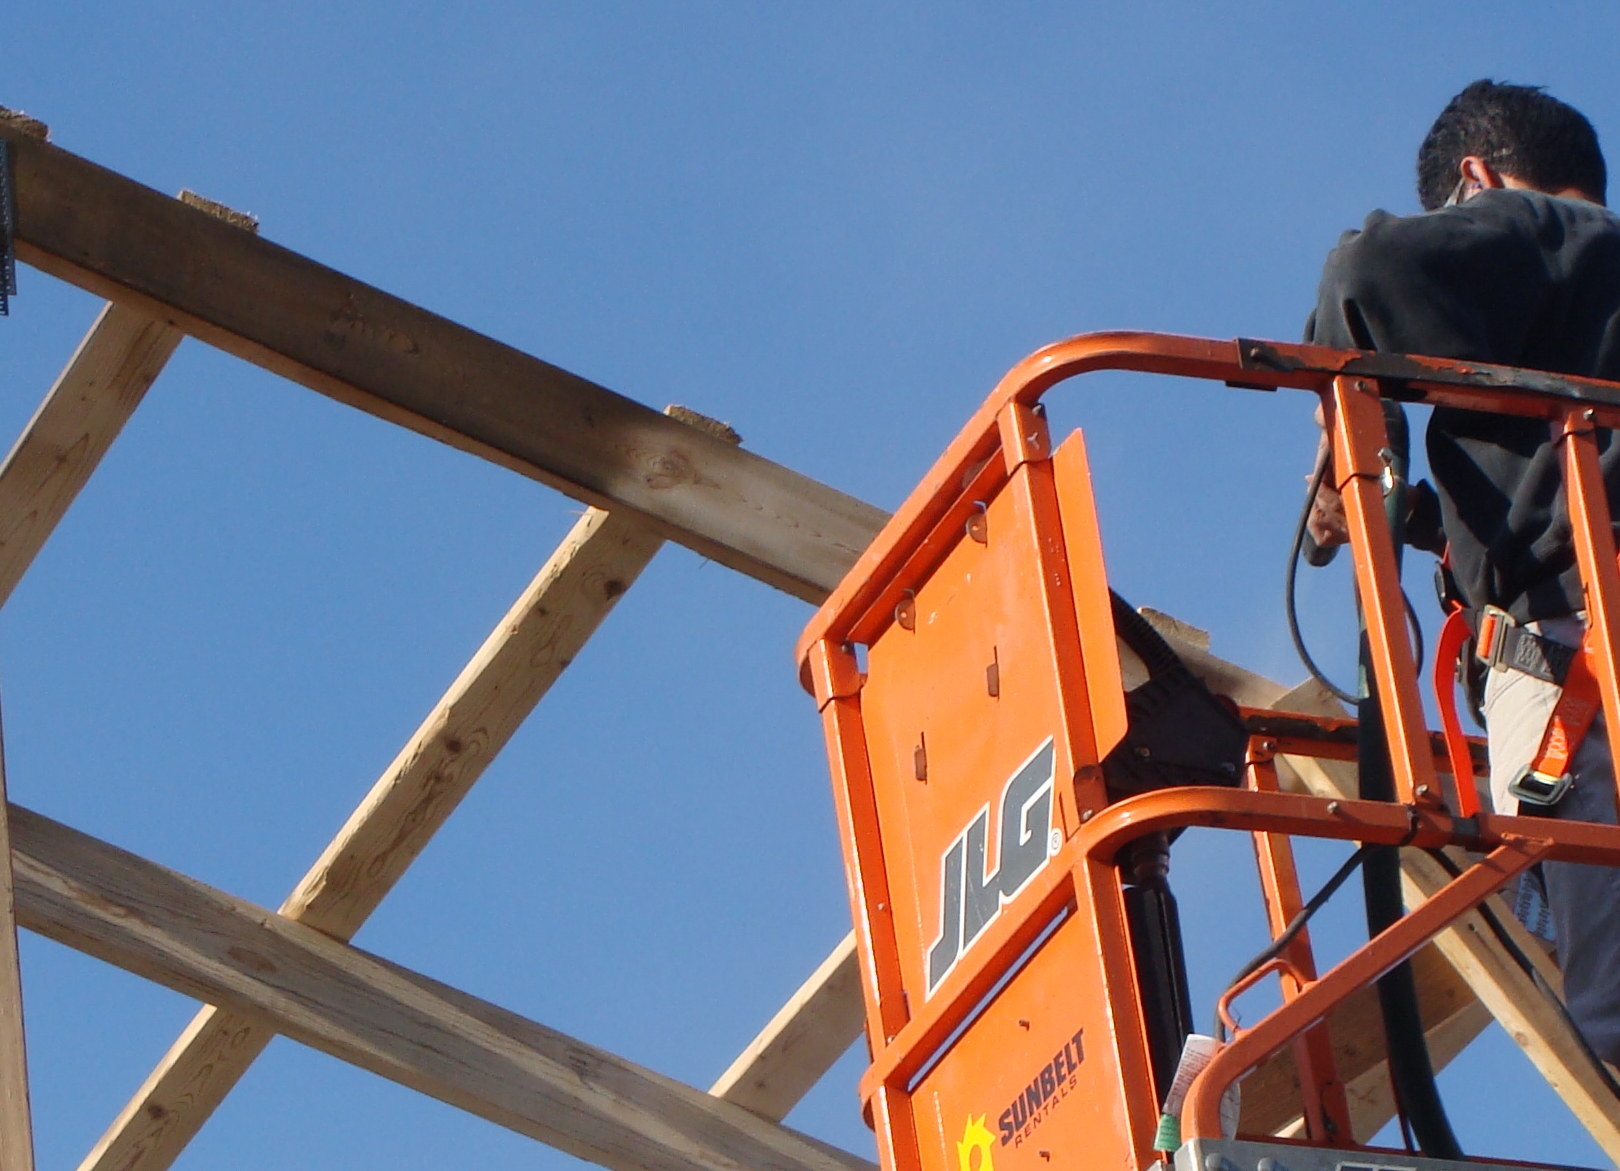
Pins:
x: 1512, y: 277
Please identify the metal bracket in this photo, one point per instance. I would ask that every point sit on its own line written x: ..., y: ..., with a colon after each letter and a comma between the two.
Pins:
x: 8, y: 231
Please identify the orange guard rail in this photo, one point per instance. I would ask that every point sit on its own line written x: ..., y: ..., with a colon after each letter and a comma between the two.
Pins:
x: 1003, y: 1012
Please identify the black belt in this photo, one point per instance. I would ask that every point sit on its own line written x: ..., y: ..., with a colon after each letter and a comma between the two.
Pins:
x: 1502, y: 644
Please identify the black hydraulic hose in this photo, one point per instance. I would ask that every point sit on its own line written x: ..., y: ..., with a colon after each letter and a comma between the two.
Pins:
x: 1296, y: 925
x: 1411, y: 1070
x: 1305, y: 546
x: 1315, y: 555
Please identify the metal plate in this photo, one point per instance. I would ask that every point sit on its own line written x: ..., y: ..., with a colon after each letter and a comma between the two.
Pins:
x: 1233, y: 1155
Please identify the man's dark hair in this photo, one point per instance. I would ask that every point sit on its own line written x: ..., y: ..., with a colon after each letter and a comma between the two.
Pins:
x: 1520, y: 130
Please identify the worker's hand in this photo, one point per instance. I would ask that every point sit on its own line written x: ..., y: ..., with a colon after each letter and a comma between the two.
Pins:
x: 1326, y: 525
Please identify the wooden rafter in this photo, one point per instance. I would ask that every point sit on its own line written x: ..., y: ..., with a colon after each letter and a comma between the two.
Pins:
x: 1452, y: 1017
x: 309, y: 323
x: 396, y: 1023
x: 794, y: 1051
x: 517, y: 664
x: 16, y: 1127
x: 84, y: 411
x: 93, y: 398
x: 1525, y: 1010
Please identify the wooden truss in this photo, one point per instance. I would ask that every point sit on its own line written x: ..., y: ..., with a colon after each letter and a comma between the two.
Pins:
x: 176, y: 267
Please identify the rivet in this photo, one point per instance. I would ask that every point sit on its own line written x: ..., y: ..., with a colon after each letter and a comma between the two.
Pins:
x: 1333, y: 807
x: 977, y: 526
x: 1085, y: 814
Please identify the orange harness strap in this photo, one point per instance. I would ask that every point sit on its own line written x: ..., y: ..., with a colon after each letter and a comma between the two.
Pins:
x: 1453, y: 636
x: 1546, y: 779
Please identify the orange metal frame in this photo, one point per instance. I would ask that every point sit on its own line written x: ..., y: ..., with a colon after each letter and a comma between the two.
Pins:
x: 995, y: 559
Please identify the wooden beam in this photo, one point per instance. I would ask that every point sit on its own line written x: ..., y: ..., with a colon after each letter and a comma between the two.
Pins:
x: 395, y: 1023
x: 1371, y: 1094
x: 309, y: 323
x: 16, y: 1127
x: 1524, y: 1010
x: 517, y: 664
x: 93, y: 398
x: 1451, y: 1015
x: 794, y: 1051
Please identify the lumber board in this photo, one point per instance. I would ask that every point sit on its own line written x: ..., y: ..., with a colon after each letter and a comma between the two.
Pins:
x: 16, y: 1126
x: 1497, y: 981
x: 398, y: 1024
x: 1512, y: 996
x: 516, y: 665
x: 268, y: 305
x: 98, y: 390
x: 81, y: 415
x: 1371, y: 1094
x: 1452, y: 1016
x: 801, y: 1042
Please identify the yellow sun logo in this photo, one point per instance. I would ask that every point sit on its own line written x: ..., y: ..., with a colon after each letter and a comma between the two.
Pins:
x: 976, y: 1137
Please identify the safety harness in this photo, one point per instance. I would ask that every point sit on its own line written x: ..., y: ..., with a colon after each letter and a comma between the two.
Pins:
x: 1502, y: 643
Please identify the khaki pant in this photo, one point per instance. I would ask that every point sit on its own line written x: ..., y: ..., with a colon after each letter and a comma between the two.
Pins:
x: 1584, y: 900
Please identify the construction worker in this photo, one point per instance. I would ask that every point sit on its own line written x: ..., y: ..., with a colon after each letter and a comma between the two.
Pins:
x: 1514, y: 260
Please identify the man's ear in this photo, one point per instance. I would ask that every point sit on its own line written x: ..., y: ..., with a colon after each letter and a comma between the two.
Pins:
x: 1477, y: 175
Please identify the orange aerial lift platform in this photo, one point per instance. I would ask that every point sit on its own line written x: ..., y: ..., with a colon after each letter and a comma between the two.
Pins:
x: 1006, y: 805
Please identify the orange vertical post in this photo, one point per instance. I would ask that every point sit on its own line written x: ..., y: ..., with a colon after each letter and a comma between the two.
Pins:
x: 1327, y: 1112
x: 1590, y: 523
x: 1359, y: 439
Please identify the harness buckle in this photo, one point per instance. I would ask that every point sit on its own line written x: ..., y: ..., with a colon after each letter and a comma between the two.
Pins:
x: 1491, y: 638
x: 1535, y: 788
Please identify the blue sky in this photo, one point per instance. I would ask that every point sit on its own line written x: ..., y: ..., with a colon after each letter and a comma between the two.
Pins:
x: 834, y: 226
